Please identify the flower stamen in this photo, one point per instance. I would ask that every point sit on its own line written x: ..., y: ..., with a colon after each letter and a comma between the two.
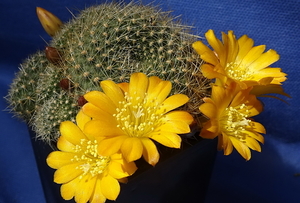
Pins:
x: 93, y: 163
x: 137, y: 119
x: 238, y: 72
x: 235, y: 122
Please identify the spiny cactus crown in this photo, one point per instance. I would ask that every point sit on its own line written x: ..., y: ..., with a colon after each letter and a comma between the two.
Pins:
x: 108, y: 41
x: 22, y: 93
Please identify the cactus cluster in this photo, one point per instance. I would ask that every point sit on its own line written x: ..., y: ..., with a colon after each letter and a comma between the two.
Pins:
x: 107, y: 41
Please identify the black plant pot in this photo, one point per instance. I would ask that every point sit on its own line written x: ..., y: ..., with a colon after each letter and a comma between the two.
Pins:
x: 180, y: 175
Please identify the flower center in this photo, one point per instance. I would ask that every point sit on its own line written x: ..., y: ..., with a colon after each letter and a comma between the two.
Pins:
x: 87, y: 153
x: 237, y: 72
x: 234, y: 121
x: 137, y: 119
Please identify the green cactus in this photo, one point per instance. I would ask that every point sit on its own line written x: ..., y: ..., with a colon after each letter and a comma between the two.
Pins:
x: 23, y: 90
x: 108, y: 41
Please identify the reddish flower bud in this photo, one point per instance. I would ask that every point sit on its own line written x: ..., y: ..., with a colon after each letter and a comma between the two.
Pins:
x: 65, y: 84
x: 53, y: 55
x: 81, y: 101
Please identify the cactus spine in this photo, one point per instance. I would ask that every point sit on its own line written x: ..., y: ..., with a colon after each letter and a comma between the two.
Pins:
x: 108, y: 41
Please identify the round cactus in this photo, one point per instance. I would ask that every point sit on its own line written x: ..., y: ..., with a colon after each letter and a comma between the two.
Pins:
x: 108, y: 41
x: 23, y: 90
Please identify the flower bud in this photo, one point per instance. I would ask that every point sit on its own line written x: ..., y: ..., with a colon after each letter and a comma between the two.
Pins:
x: 50, y: 22
x: 53, y: 55
x: 81, y: 101
x: 65, y: 84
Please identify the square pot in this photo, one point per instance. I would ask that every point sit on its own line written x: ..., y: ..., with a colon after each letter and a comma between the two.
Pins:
x: 181, y: 175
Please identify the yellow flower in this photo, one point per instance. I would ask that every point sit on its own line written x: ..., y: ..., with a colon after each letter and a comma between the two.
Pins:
x: 229, y: 111
x: 83, y: 173
x: 130, y: 115
x: 237, y: 60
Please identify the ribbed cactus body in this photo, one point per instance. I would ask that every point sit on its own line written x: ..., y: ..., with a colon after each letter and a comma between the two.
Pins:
x: 23, y: 91
x: 108, y: 41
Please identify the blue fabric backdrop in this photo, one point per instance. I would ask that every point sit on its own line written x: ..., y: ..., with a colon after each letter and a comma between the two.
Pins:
x: 268, y: 177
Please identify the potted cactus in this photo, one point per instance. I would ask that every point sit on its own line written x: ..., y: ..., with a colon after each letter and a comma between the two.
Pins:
x: 121, y: 94
x: 110, y: 42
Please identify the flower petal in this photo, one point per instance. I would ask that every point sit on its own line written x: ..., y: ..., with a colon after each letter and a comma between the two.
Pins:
x: 121, y: 170
x: 82, y: 119
x: 252, y: 55
x: 175, y: 126
x: 255, y: 135
x: 264, y: 60
x: 205, y: 53
x: 71, y: 132
x: 97, y: 196
x: 258, y: 127
x: 100, y: 100
x: 215, y: 43
x: 57, y: 159
x: 245, y: 45
x: 253, y: 144
x: 173, y: 102
x: 159, y: 93
x: 67, y: 190
x: 222, y: 97
x: 96, y: 113
x: 127, y: 167
x: 261, y: 90
x: 150, y: 152
x: 124, y: 86
x: 167, y: 139
x: 85, y: 188
x: 255, y: 108
x: 271, y: 73
x: 109, y: 146
x: 182, y: 116
x: 243, y: 96
x: 209, y: 110
x: 110, y: 187
x: 64, y: 145
x: 138, y: 87
x: 210, y: 130
x: 153, y: 82
x: 232, y: 49
x: 105, y: 127
x: 67, y: 173
x: 241, y: 148
x: 211, y: 72
x: 132, y: 149
x: 113, y: 91
x: 226, y: 144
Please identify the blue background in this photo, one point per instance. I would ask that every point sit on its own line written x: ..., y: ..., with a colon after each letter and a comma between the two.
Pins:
x: 268, y: 177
